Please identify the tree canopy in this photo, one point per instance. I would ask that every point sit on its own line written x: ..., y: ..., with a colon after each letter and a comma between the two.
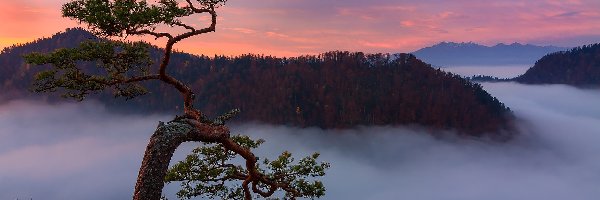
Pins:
x: 131, y: 17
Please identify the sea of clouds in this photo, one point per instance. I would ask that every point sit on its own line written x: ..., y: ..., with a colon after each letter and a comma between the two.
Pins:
x: 82, y: 151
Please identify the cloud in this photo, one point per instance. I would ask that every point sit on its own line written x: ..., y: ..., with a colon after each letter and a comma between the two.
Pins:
x: 407, y: 23
x: 383, y: 45
x: 568, y: 14
x: 69, y: 151
x: 82, y: 151
x: 555, y: 158
x: 27, y: 20
x: 568, y: 41
x: 242, y: 30
x: 329, y: 25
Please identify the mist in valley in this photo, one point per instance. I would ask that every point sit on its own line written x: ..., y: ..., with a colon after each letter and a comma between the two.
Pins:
x: 500, y: 71
x: 82, y: 151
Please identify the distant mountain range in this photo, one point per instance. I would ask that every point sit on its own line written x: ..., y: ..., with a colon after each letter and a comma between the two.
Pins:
x: 450, y: 54
x: 331, y: 90
x: 579, y: 66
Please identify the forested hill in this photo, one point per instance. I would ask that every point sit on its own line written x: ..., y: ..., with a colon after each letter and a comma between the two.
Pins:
x: 15, y: 76
x: 331, y: 90
x: 579, y: 66
x: 467, y: 54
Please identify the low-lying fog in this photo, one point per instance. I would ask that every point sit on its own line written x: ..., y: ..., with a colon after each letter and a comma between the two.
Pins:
x: 79, y: 151
x: 501, y: 71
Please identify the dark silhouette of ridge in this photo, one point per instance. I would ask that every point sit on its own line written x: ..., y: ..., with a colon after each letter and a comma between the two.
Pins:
x: 579, y: 66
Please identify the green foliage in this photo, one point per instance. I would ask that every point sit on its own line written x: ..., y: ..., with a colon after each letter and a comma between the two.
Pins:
x: 120, y: 17
x: 211, y: 3
x: 112, y: 18
x: 209, y: 172
x: 116, y: 63
x: 283, y: 170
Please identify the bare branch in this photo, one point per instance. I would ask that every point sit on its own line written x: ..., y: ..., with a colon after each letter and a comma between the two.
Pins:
x: 185, y: 26
x: 196, y: 10
x: 142, y: 78
x: 148, y: 32
x: 129, y: 80
x: 211, y: 28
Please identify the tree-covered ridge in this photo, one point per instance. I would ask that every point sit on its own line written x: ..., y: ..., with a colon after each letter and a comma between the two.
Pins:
x: 331, y: 90
x: 579, y: 66
x: 16, y: 75
x: 486, y: 78
x: 343, y: 89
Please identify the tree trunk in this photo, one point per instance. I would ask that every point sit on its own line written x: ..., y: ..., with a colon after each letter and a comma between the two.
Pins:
x: 159, y: 151
x: 163, y: 143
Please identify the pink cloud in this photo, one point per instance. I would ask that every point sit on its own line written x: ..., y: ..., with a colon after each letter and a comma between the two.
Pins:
x: 242, y: 30
x: 285, y: 27
x: 23, y: 21
x: 407, y: 23
x: 382, y: 45
x: 55, y: 160
x: 276, y: 35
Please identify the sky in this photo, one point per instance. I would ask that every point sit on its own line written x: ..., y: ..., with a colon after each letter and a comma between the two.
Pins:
x: 301, y: 27
x: 82, y: 151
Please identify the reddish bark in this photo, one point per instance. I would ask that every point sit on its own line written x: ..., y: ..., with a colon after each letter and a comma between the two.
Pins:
x: 163, y: 143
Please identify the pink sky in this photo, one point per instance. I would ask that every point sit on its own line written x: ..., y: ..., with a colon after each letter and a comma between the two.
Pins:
x: 297, y: 27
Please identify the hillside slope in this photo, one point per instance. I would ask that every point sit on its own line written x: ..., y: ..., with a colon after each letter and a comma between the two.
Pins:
x: 579, y: 67
x: 331, y: 90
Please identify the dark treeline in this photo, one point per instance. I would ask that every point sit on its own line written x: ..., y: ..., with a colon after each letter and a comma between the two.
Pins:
x: 579, y: 66
x: 486, y: 78
x: 331, y: 90
x: 342, y: 89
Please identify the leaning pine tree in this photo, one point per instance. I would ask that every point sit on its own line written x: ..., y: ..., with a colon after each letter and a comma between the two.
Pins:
x: 210, y: 171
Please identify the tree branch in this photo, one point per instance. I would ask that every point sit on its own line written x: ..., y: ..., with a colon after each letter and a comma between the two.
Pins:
x: 211, y: 28
x: 142, y: 78
x: 188, y: 95
x: 115, y: 82
x: 197, y: 10
x: 185, y: 26
x: 148, y: 32
x: 247, y: 194
x: 272, y: 189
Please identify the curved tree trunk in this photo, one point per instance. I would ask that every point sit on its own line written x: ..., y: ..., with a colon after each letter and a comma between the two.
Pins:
x: 163, y: 143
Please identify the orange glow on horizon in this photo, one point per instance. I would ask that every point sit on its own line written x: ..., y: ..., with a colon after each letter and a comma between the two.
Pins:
x: 7, y: 42
x: 293, y: 28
